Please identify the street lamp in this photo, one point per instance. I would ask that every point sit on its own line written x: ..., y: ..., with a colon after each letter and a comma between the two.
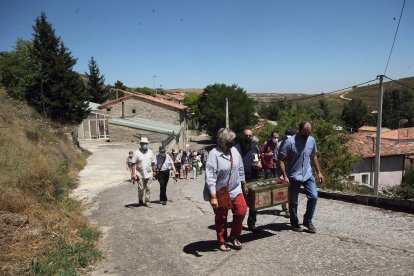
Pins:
x: 153, y: 80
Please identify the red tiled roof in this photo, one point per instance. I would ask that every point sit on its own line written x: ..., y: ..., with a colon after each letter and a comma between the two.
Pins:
x: 399, y: 134
x: 364, y: 145
x: 147, y: 98
x: 179, y: 96
x: 372, y: 129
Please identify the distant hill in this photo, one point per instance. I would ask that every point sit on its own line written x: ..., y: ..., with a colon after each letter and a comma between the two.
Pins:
x: 368, y: 94
x: 186, y: 90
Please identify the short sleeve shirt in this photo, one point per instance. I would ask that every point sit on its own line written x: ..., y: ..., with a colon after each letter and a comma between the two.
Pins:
x: 143, y: 162
x: 164, y: 165
x: 298, y: 152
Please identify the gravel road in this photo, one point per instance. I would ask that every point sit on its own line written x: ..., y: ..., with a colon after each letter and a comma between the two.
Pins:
x: 179, y: 238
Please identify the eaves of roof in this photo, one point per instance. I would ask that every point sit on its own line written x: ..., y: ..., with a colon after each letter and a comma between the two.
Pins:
x: 153, y: 100
x: 364, y: 145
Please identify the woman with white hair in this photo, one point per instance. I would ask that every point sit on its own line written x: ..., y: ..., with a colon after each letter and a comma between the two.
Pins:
x: 225, y: 172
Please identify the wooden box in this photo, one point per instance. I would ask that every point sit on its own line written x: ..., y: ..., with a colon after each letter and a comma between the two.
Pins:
x: 267, y: 193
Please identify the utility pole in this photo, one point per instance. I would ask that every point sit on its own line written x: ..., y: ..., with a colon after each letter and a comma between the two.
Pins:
x: 153, y: 80
x: 378, y: 138
x: 227, y: 113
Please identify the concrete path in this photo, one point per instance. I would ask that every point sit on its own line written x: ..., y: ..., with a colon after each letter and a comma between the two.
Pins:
x: 179, y: 238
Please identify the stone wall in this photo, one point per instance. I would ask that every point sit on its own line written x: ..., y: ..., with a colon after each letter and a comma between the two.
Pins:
x: 146, y: 110
x: 126, y: 134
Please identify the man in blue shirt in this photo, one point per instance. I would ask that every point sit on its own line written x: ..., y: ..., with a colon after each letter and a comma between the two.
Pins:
x: 249, y: 153
x: 295, y: 163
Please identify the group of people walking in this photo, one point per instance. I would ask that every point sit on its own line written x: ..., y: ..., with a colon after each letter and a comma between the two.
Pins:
x: 231, y: 167
x: 228, y: 170
x: 189, y: 161
x: 145, y: 167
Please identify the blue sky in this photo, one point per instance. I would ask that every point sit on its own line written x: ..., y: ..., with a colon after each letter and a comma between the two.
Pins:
x: 262, y: 46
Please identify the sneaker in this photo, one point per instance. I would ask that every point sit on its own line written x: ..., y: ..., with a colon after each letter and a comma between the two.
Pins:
x: 296, y: 228
x: 311, y: 228
x: 287, y: 214
x: 164, y: 203
x: 148, y: 205
x: 141, y: 203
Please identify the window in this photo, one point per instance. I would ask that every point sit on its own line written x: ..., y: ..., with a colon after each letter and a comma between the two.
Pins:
x: 108, y: 109
x: 134, y: 111
x: 365, y: 178
x: 352, y: 177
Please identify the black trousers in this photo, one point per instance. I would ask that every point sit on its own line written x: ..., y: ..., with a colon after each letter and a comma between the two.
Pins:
x: 178, y: 169
x: 163, y: 178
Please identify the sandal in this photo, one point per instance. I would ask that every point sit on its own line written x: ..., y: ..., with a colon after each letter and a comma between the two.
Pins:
x: 236, y: 244
x: 223, y: 247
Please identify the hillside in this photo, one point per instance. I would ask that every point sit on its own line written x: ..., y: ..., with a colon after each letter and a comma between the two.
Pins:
x: 368, y: 94
x: 41, y: 229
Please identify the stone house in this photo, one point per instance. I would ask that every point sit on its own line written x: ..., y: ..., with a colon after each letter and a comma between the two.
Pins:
x: 135, y: 115
x: 396, y: 158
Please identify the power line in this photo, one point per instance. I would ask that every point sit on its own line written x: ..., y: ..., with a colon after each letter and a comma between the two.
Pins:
x: 399, y: 82
x: 331, y: 92
x: 395, y: 36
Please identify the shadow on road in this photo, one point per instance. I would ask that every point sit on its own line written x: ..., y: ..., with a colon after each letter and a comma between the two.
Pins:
x: 135, y: 205
x: 276, y: 227
x: 195, y: 248
x: 211, y: 245
x: 132, y: 205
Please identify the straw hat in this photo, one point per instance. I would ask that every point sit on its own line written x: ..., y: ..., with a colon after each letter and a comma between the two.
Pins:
x: 144, y: 140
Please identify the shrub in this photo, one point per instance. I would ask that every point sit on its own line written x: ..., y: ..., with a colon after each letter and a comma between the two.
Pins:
x: 406, y: 189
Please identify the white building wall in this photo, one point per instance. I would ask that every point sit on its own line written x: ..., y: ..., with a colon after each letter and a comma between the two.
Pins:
x: 385, y: 180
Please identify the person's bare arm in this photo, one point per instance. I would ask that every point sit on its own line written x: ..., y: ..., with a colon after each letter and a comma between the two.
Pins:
x: 317, y: 168
x: 281, y: 163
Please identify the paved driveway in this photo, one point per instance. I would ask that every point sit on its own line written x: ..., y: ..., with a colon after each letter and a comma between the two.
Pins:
x: 179, y: 238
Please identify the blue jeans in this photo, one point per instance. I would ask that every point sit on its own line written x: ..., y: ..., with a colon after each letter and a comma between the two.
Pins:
x: 311, y: 194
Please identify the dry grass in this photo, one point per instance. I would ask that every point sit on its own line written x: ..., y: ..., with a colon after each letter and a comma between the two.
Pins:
x: 38, y: 167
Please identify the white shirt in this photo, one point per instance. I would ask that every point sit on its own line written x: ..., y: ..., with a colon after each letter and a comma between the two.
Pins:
x: 168, y: 163
x: 218, y: 171
x: 143, y: 163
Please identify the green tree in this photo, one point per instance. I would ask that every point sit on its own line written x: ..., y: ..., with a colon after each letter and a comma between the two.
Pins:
x: 191, y: 100
x: 96, y: 87
x: 323, y: 107
x: 271, y: 111
x: 398, y: 105
x: 120, y: 85
x: 57, y: 91
x: 212, y: 105
x: 18, y: 69
x: 114, y: 94
x: 355, y: 114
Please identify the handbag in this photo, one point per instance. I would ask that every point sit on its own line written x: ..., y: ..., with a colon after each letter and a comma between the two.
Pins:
x: 223, y: 198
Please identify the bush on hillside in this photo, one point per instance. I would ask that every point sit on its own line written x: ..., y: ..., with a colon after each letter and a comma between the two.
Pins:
x: 38, y: 168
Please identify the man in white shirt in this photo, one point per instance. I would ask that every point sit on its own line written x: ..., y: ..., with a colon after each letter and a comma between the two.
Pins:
x: 144, y: 171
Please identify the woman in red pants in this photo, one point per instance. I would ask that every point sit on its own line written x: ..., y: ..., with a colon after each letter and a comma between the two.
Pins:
x: 224, y: 169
